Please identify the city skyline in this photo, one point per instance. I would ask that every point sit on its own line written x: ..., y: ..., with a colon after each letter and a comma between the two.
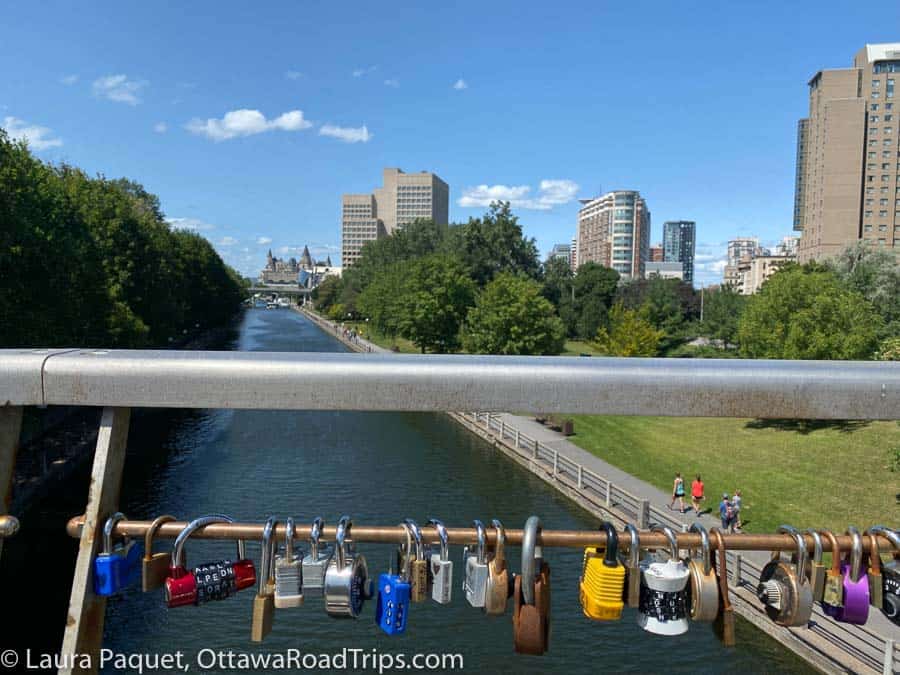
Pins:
x: 253, y: 147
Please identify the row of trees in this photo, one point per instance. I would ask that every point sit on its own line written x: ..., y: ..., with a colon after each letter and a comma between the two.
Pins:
x: 91, y: 261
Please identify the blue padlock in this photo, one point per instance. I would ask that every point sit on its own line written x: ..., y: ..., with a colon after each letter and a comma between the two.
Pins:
x: 116, y: 566
x: 394, y: 592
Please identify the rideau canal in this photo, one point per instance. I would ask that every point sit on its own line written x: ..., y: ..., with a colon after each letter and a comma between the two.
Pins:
x: 376, y: 467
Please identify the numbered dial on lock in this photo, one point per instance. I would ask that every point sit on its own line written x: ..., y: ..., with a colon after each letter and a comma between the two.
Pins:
x: 783, y: 588
x: 663, y: 606
x: 347, y: 583
x: 395, y: 592
x: 475, y: 567
x: 891, y: 591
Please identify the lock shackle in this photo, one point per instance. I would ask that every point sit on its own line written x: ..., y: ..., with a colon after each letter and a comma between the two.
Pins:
x: 670, y: 535
x: 151, y: 532
x: 611, y: 555
x: 634, y: 548
x: 417, y: 535
x: 442, y: 535
x: 289, y: 532
x: 406, y: 572
x: 835, y: 552
x: 801, y: 549
x: 499, y: 549
x: 887, y: 533
x: 108, y: 528
x: 874, y: 553
x: 266, y: 562
x: 856, y: 552
x: 315, y: 531
x: 704, y: 546
x: 817, y: 544
x: 340, y: 547
x: 530, y: 534
x: 193, y: 526
x: 481, y: 535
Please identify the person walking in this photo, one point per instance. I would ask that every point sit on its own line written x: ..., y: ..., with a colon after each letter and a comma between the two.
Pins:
x: 736, y: 507
x: 678, y: 492
x: 726, y: 513
x: 697, y: 494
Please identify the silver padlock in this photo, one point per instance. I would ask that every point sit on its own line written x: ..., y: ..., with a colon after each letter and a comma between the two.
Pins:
x: 440, y: 566
x: 288, y: 572
x: 347, y: 583
x: 476, y: 568
x: 315, y: 563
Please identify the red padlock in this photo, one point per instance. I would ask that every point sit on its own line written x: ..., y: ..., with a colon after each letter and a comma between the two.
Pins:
x: 210, y: 581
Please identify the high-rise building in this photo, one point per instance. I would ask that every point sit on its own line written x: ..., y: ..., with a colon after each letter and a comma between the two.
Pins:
x: 614, y: 230
x: 573, y: 254
x: 678, y: 245
x: 403, y: 198
x: 563, y: 251
x: 848, y: 165
x: 656, y: 254
x: 738, y: 248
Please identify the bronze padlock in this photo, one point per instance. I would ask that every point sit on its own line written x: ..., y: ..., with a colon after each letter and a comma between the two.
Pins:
x: 876, y: 581
x: 498, y: 587
x: 833, y: 593
x: 531, y: 613
x: 633, y: 568
x: 264, y: 601
x: 155, y: 566
x: 418, y: 579
x: 723, y: 626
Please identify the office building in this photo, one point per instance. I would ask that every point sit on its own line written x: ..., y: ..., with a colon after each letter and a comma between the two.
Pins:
x: 563, y: 251
x: 403, y: 198
x: 614, y: 230
x: 666, y: 270
x: 573, y: 254
x: 848, y: 164
x: 679, y: 244
x: 754, y: 271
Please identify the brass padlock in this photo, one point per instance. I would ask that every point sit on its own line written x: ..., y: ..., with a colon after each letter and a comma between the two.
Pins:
x: 783, y: 587
x: 155, y: 566
x: 704, y: 588
x: 497, y: 589
x: 876, y: 581
x: 264, y: 601
x: 816, y: 569
x: 833, y: 593
x: 723, y: 626
x: 418, y: 566
x: 602, y: 583
x: 633, y: 568
x: 531, y: 612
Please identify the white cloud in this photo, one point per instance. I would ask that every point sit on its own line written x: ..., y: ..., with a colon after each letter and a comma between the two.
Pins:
x: 262, y: 241
x: 160, y: 127
x: 293, y: 74
x: 37, y: 137
x: 709, y: 262
x: 68, y: 80
x: 227, y: 241
x: 550, y: 193
x: 119, y: 88
x: 189, y: 224
x: 246, y: 123
x: 359, y: 72
x: 460, y: 84
x: 392, y: 83
x: 347, y: 134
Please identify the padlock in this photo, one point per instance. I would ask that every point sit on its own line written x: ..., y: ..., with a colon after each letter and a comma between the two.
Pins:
x: 476, y: 568
x: 210, y: 581
x: 783, y: 587
x: 704, y: 587
x: 264, y: 602
x: 394, y: 592
x: 440, y: 566
x: 347, y: 583
x: 155, y: 566
x: 816, y: 568
x: 418, y: 565
x: 315, y: 562
x: 498, y: 587
x: 602, y: 582
x: 833, y: 593
x: 288, y: 572
x: 855, y: 605
x: 723, y: 626
x: 876, y: 580
x: 118, y: 565
x: 890, y: 572
x: 663, y: 606
x: 633, y: 568
x: 531, y: 595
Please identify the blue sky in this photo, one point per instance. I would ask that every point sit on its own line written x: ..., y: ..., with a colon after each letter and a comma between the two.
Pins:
x: 694, y: 104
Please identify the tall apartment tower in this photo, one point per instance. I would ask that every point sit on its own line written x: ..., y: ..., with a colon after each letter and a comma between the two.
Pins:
x: 848, y: 163
x: 679, y: 241
x: 403, y: 198
x: 614, y: 230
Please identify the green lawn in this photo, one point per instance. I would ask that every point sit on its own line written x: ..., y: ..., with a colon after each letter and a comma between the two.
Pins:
x: 403, y: 345
x: 578, y: 347
x: 805, y: 474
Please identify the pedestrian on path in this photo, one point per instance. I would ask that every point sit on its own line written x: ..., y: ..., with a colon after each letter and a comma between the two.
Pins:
x: 678, y: 492
x: 726, y: 513
x: 697, y: 494
x: 736, y: 507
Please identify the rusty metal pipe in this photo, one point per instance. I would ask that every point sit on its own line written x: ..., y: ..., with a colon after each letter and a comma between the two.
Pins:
x: 467, y: 535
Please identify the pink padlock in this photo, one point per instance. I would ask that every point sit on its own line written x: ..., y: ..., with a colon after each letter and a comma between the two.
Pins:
x: 856, y: 586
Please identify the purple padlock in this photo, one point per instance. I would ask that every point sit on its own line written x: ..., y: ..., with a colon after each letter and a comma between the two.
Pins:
x: 856, y: 586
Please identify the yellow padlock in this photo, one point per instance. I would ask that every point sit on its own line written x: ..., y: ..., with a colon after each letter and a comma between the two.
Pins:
x: 603, y: 580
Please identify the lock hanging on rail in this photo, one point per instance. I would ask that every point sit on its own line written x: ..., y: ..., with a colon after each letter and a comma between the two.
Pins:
x: 633, y: 568
x: 394, y: 593
x: 876, y: 580
x: 418, y: 565
x: 783, y: 587
x: 440, y: 567
x: 602, y: 583
x: 704, y: 587
x: 347, y: 583
x: 833, y: 592
x: 854, y: 607
x: 155, y: 566
x: 816, y: 569
x: 118, y: 565
x: 723, y: 626
x: 264, y: 601
x: 663, y: 607
x: 210, y: 581
x: 531, y: 595
x: 499, y: 585
x: 315, y: 563
x: 289, y: 572
x: 890, y: 572
x: 475, y: 567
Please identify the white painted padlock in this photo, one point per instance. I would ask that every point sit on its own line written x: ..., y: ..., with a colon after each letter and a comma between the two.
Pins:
x: 664, y: 607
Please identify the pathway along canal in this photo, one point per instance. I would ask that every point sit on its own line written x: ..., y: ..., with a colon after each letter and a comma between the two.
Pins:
x: 378, y: 468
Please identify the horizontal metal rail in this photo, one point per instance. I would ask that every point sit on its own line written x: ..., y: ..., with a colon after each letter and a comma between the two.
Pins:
x: 328, y: 381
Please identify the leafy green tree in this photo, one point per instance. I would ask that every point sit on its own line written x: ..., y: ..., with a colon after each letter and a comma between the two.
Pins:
x: 380, y: 300
x: 595, y: 287
x: 889, y: 350
x: 721, y: 311
x: 874, y: 273
x: 436, y: 295
x: 511, y: 316
x: 327, y: 293
x: 807, y: 313
x: 628, y: 334
x: 559, y: 288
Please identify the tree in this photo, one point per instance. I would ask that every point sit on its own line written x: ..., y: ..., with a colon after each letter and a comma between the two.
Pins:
x: 327, y: 293
x: 628, y: 334
x: 436, y: 295
x: 511, y: 316
x: 874, y: 273
x: 595, y: 286
x: 380, y: 300
x: 721, y: 311
x: 806, y: 313
x: 559, y: 288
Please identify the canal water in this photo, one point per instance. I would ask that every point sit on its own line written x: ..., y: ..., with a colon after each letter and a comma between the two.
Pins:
x: 378, y: 468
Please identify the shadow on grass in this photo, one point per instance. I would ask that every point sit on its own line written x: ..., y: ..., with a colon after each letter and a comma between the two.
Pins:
x: 808, y: 426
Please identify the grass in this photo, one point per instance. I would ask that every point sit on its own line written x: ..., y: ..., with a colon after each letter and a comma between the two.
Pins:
x: 803, y: 473
x: 403, y: 345
x: 579, y: 347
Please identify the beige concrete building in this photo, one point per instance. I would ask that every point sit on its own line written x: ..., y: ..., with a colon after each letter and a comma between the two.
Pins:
x: 403, y: 198
x: 614, y: 230
x: 754, y: 271
x: 848, y: 162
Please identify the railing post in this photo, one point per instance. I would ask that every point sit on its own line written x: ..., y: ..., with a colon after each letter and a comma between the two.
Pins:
x: 736, y: 571
x: 609, y: 493
x: 517, y: 439
x: 555, y: 463
x: 888, y: 657
x: 10, y: 429
x: 535, y: 450
x: 502, y: 430
x: 84, y: 624
x: 580, y: 477
x: 644, y: 514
